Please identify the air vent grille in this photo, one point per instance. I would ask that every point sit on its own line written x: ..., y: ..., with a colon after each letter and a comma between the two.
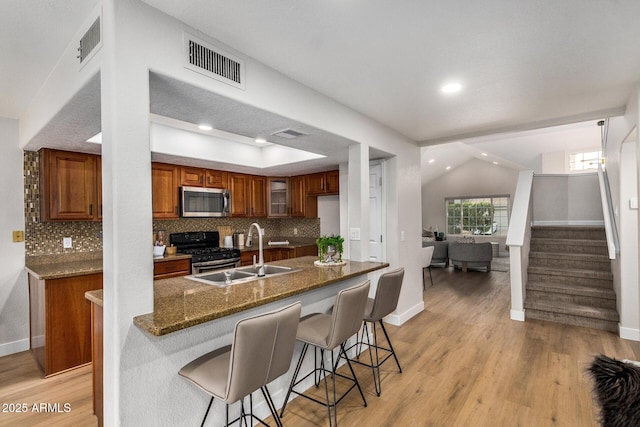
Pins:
x: 214, y: 62
x: 288, y: 133
x: 89, y: 41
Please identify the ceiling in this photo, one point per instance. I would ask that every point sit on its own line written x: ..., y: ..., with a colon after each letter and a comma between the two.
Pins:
x: 522, y: 66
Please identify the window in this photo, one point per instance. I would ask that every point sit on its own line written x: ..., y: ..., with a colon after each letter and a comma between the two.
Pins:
x: 478, y: 216
x: 584, y: 161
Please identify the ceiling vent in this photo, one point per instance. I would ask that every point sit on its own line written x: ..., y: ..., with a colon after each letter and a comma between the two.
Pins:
x: 89, y: 41
x: 213, y: 62
x: 288, y: 133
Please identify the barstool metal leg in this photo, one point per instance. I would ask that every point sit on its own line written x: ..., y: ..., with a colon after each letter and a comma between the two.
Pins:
x: 295, y: 376
x: 271, y: 405
x: 355, y: 379
x: 207, y: 413
x: 393, y: 352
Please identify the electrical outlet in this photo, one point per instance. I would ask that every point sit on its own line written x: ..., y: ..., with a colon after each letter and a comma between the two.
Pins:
x: 67, y: 242
x: 354, y: 234
x: 18, y: 236
x: 295, y: 231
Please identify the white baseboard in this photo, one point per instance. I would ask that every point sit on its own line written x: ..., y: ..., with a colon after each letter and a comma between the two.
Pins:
x: 585, y: 223
x: 399, y: 319
x: 517, y: 315
x: 14, y: 347
x: 629, y: 333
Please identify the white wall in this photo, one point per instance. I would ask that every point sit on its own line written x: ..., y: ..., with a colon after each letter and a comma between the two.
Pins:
x: 136, y: 363
x: 14, y: 295
x: 567, y: 200
x: 471, y: 179
x: 329, y: 214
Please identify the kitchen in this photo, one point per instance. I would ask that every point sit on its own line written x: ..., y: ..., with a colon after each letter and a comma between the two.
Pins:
x: 127, y: 153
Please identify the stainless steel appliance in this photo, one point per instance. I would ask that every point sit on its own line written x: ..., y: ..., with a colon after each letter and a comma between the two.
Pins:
x: 200, y: 202
x: 206, y: 253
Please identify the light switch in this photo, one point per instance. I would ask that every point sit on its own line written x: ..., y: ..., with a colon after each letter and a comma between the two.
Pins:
x: 67, y: 242
x: 354, y: 234
x: 402, y: 236
x: 633, y: 203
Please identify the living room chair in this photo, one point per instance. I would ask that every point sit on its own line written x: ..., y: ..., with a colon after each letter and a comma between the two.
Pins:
x: 261, y: 351
x: 427, y: 255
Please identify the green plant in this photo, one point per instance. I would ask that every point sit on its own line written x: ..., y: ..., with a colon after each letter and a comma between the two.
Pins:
x: 324, y: 242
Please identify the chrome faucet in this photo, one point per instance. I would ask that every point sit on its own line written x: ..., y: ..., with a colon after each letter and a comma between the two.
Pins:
x: 261, y: 255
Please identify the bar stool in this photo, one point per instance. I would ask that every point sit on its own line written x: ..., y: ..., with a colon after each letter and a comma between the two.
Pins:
x: 327, y: 332
x: 261, y: 351
x: 384, y: 303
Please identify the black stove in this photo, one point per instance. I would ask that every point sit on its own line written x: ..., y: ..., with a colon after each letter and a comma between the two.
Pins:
x: 203, y: 246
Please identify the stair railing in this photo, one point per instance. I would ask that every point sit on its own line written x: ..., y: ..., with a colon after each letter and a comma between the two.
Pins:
x: 611, y: 231
x: 518, y: 240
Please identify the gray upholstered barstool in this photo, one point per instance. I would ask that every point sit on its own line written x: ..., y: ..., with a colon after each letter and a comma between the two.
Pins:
x: 261, y: 351
x: 383, y: 304
x: 327, y: 332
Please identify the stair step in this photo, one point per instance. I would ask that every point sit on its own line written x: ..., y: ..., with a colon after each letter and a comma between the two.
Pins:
x: 562, y: 275
x: 567, y: 319
x: 575, y: 246
x: 572, y: 289
x: 570, y: 261
x: 551, y: 298
x: 569, y: 232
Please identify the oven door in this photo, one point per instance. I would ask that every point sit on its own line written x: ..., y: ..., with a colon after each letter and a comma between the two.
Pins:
x: 222, y: 264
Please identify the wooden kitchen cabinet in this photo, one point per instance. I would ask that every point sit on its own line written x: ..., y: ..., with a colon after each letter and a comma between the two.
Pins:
x: 200, y: 177
x: 248, y: 195
x: 278, y: 197
x: 60, y: 321
x: 165, y: 191
x: 171, y: 268
x: 302, y: 205
x: 323, y: 183
x: 69, y: 186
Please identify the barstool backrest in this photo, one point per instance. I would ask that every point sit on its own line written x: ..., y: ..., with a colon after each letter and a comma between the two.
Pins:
x: 262, y: 350
x: 348, y: 312
x: 387, y: 293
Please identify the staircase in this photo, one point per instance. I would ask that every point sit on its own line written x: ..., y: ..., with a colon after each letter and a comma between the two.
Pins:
x: 569, y: 278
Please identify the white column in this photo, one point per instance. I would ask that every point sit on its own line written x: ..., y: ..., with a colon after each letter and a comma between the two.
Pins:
x: 358, y: 208
x: 126, y: 190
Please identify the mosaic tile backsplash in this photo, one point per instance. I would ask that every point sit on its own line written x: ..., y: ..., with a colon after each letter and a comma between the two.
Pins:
x: 45, y: 238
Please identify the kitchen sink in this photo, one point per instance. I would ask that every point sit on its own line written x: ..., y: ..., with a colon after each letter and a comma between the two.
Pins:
x: 239, y: 275
x: 269, y: 270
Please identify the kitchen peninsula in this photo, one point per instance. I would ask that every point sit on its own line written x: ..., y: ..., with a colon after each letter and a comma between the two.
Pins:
x: 183, y: 306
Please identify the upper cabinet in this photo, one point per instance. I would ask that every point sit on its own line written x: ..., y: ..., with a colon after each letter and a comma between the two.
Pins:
x: 248, y: 195
x: 165, y: 188
x: 199, y: 177
x: 69, y: 186
x: 278, y: 197
x: 323, y: 183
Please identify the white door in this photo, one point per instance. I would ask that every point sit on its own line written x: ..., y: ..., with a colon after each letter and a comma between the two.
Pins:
x: 375, y: 212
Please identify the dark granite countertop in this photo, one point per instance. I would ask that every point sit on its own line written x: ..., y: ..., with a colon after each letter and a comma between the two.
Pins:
x: 180, y: 303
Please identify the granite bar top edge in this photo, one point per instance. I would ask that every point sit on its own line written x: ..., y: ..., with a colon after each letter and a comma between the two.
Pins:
x: 154, y: 324
x: 95, y: 297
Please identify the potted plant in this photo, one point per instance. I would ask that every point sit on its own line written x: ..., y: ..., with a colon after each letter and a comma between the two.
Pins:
x: 329, y: 247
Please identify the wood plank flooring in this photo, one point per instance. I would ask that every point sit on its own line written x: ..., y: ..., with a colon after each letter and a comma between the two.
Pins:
x: 465, y: 363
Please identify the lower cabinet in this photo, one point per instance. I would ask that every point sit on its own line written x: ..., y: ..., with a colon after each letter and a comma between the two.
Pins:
x: 277, y: 254
x: 171, y: 268
x: 61, y: 321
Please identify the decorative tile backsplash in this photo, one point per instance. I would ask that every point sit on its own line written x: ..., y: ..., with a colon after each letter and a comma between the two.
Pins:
x: 45, y: 238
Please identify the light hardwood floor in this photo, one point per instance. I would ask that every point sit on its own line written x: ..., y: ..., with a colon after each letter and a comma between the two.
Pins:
x: 465, y: 363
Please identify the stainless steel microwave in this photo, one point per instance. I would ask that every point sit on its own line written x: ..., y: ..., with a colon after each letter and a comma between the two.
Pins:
x: 200, y: 202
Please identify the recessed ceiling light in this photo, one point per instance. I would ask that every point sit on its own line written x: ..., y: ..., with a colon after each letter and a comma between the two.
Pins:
x: 451, y: 88
x: 448, y: 167
x: 495, y: 163
x: 204, y: 127
x: 96, y: 139
x: 432, y: 160
x: 261, y: 140
x: 484, y: 154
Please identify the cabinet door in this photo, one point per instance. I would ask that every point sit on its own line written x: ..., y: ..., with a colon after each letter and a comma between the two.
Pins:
x: 99, y: 187
x: 315, y: 183
x: 165, y: 181
x: 68, y: 183
x: 278, y: 197
x: 332, y: 182
x: 258, y: 191
x: 238, y: 188
x: 191, y: 177
x: 297, y: 196
x: 216, y: 179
